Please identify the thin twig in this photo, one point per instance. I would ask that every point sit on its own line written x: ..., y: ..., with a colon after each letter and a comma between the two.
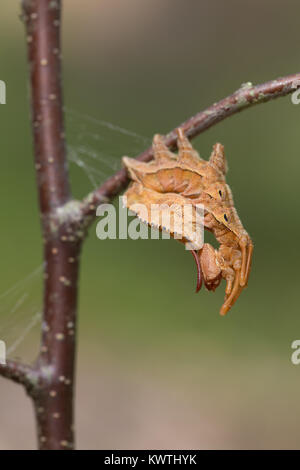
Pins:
x: 245, y: 97
x: 17, y: 372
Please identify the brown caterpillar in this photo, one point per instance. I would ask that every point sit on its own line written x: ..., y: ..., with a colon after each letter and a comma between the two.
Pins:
x: 178, y: 180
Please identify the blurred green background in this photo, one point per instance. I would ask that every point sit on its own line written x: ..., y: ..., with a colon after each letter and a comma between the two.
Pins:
x: 157, y: 366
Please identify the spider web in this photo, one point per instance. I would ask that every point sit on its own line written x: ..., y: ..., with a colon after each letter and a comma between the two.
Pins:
x: 94, y: 150
x: 20, y: 314
x: 96, y: 147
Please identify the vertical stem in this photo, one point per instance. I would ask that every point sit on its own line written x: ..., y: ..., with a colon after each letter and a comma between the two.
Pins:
x: 43, y: 19
x: 53, y: 395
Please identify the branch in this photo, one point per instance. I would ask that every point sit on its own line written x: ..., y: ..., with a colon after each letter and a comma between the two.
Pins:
x: 245, y: 97
x: 42, y: 19
x: 56, y: 362
x: 19, y: 373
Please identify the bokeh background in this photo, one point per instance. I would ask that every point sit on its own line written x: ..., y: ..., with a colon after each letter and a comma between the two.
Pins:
x: 157, y: 366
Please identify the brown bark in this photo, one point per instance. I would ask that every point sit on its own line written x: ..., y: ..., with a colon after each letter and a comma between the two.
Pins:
x: 53, y: 395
